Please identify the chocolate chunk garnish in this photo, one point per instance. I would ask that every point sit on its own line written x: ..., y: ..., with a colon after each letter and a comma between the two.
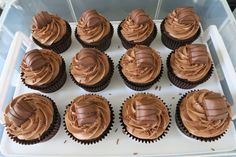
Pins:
x: 143, y: 57
x: 20, y: 112
x: 198, y: 54
x: 216, y: 107
x: 146, y: 112
x: 87, y: 57
x: 41, y: 19
x: 35, y: 60
x: 86, y: 112
x: 139, y: 16
x: 92, y: 18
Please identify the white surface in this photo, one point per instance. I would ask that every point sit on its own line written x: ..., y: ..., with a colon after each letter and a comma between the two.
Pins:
x: 174, y: 143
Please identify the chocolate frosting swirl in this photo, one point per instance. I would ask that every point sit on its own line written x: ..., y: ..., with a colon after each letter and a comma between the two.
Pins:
x: 145, y: 116
x: 28, y: 116
x: 141, y: 64
x: 47, y: 28
x: 182, y: 23
x: 182, y: 66
x: 137, y: 26
x: 88, y: 117
x: 205, y: 113
x: 40, y: 66
x: 89, y: 66
x: 92, y: 26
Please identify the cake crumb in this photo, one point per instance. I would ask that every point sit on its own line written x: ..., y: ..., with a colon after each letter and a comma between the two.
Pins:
x: 118, y: 46
x: 109, y: 94
x: 135, y: 153
x: 117, y: 65
x: 180, y: 93
x: 156, y: 87
x: 123, y: 131
x: 65, y: 141
x: 212, y: 149
x: 159, y: 88
x: 117, y: 141
x: 173, y: 97
x: 116, y: 130
x: 170, y: 84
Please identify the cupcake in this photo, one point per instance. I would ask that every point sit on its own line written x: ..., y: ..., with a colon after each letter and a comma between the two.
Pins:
x: 51, y: 32
x: 145, y: 117
x: 31, y: 118
x: 137, y: 29
x: 43, y: 70
x: 140, y: 67
x: 180, y: 27
x: 91, y: 69
x: 189, y: 66
x: 203, y: 115
x: 88, y: 119
x: 94, y: 30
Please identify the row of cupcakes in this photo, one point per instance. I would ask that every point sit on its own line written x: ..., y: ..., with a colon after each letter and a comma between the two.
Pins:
x: 93, y: 30
x: 140, y: 67
x: 201, y: 114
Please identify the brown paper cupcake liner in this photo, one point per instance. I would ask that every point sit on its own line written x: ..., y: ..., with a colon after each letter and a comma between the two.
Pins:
x: 96, y: 140
x: 139, y: 86
x: 183, y: 83
x: 53, y: 86
x: 173, y: 43
x: 184, y: 130
x: 102, y: 45
x: 47, y: 135
x: 129, y: 44
x: 101, y: 84
x: 140, y: 139
x: 61, y: 45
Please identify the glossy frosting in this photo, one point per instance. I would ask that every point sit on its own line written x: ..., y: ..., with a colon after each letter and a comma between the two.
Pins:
x: 145, y: 116
x: 40, y: 66
x: 182, y: 66
x: 92, y: 26
x: 96, y: 120
x: 34, y: 124
x: 89, y: 66
x: 182, y: 23
x: 141, y: 64
x: 195, y: 115
x: 47, y: 28
x: 137, y: 26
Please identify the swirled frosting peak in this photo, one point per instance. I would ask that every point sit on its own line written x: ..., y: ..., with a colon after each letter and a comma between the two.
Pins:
x: 92, y: 26
x: 205, y: 113
x: 88, y: 117
x: 47, y: 28
x: 40, y: 67
x: 191, y: 62
x: 89, y: 66
x: 182, y: 23
x: 28, y: 116
x: 137, y: 26
x: 141, y: 64
x: 145, y: 116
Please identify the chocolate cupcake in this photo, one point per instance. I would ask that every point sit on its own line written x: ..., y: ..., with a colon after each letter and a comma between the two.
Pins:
x: 51, y: 32
x: 203, y: 115
x: 180, y: 27
x: 94, y: 30
x: 31, y: 118
x: 43, y: 70
x: 137, y: 29
x: 88, y: 119
x: 140, y: 67
x: 91, y: 69
x: 145, y: 118
x: 189, y: 66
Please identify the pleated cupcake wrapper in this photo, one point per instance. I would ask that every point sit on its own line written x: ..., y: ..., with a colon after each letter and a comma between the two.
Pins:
x: 138, y: 86
x: 183, y: 83
x: 184, y: 130
x: 47, y: 135
x: 129, y: 44
x: 53, y: 86
x: 98, y: 139
x: 139, y: 139
x: 173, y: 43
x: 102, y: 45
x: 101, y: 84
x: 61, y: 45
